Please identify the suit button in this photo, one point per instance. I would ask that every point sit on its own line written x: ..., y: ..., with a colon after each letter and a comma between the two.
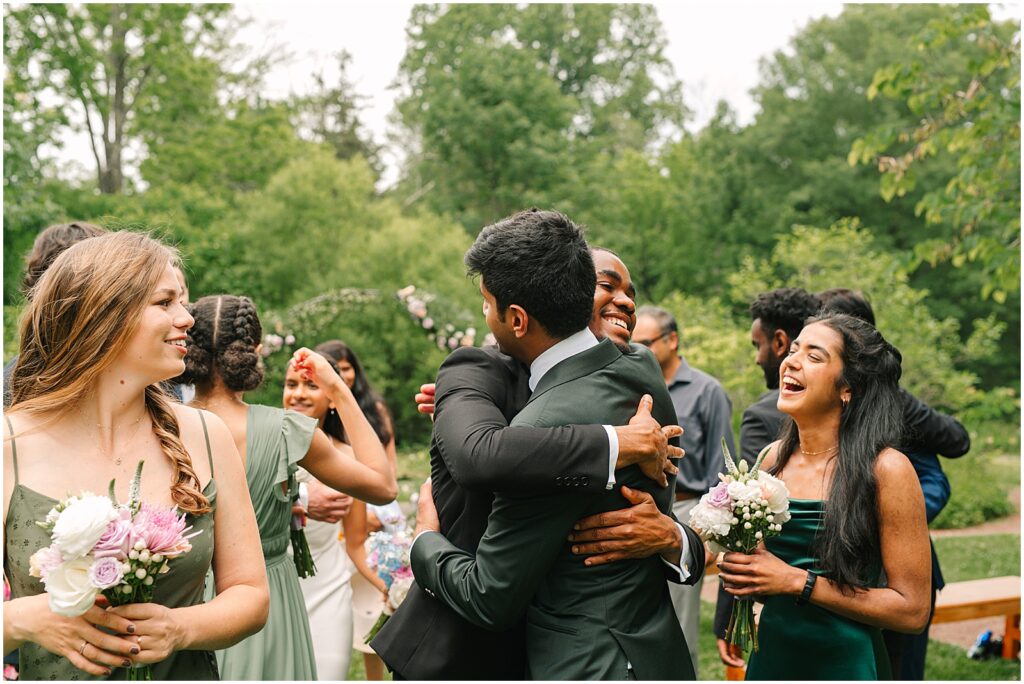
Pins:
x: 586, y: 481
x: 558, y: 480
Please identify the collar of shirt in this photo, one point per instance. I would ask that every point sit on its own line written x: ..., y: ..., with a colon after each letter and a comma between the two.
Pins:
x: 683, y: 374
x: 558, y: 352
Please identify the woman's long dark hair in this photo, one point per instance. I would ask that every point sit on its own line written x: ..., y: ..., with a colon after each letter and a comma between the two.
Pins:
x: 369, y: 401
x: 847, y: 544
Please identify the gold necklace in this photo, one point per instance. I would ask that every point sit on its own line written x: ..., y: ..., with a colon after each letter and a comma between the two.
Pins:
x: 818, y: 453
x: 138, y: 426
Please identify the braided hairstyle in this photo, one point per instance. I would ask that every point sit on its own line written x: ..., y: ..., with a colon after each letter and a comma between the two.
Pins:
x: 847, y: 543
x: 223, y: 343
x: 83, y: 312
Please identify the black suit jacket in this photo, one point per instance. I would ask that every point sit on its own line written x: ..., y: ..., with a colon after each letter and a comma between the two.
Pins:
x: 474, y: 453
x: 583, y: 622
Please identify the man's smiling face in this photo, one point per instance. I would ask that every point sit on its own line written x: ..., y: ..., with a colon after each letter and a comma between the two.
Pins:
x: 614, y: 305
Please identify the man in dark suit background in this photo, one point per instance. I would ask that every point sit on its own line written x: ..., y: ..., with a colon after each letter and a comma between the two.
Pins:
x: 474, y: 453
x: 607, y: 621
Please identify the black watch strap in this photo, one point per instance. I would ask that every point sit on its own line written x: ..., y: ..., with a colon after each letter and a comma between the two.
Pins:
x: 805, y: 595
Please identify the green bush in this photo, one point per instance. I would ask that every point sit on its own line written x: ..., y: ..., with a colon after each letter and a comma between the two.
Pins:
x: 981, y: 483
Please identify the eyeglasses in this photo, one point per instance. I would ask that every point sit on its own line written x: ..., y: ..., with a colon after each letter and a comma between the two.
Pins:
x: 648, y: 343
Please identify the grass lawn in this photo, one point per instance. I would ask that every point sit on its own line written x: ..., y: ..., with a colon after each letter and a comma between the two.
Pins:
x: 967, y: 558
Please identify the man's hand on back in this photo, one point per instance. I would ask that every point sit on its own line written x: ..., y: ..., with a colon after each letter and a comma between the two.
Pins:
x: 426, y: 511
x: 326, y: 504
x: 645, y: 442
x: 639, y: 531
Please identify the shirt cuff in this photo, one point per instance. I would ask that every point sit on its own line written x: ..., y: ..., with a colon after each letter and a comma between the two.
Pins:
x: 683, y: 569
x: 304, y: 496
x: 420, y: 535
x: 613, y: 454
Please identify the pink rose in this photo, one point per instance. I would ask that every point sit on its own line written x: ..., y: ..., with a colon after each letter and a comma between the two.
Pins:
x: 718, y: 496
x: 105, y: 572
x: 117, y: 539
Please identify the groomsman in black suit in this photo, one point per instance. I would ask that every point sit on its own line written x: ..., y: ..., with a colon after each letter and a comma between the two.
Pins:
x: 598, y: 622
x: 474, y: 453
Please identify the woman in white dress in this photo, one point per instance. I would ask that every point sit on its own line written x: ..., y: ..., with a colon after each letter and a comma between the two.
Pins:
x: 345, y: 598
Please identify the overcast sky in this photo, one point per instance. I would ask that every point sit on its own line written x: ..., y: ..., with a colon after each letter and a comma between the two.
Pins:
x: 714, y: 47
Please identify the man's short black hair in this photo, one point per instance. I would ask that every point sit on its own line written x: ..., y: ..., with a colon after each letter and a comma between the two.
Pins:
x: 847, y: 301
x: 540, y: 261
x: 784, y: 309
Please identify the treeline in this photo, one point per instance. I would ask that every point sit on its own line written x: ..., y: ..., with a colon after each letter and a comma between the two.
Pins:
x: 885, y: 156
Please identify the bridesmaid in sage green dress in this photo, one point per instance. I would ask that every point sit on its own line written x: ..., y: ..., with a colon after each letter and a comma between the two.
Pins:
x: 223, y: 362
x: 105, y: 325
x: 857, y: 511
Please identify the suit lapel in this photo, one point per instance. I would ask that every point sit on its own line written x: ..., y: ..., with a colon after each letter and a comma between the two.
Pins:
x: 577, y: 366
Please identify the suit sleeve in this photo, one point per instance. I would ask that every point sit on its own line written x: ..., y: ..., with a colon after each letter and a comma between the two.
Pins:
x: 483, y: 453
x: 718, y: 424
x: 754, y: 435
x: 929, y: 431
x: 723, y: 610
x: 493, y: 588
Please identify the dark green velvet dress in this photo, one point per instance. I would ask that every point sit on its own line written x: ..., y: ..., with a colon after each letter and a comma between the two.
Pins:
x: 809, y: 642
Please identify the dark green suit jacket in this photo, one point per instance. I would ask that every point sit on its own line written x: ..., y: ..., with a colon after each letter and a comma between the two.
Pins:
x: 582, y: 623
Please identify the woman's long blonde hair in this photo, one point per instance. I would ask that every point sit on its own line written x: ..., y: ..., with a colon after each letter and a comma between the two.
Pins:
x: 81, y: 315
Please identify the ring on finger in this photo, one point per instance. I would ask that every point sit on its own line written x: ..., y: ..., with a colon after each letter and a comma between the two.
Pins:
x: 81, y: 649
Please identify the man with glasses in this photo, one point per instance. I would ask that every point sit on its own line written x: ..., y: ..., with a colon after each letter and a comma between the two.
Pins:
x: 704, y: 411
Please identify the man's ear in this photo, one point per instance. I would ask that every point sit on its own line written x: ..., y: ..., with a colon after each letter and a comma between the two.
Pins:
x: 673, y: 341
x: 519, y: 321
x: 780, y: 343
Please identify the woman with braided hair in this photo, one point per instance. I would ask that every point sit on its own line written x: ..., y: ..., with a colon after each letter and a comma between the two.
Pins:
x: 223, y: 362
x: 854, y: 558
x: 103, y: 328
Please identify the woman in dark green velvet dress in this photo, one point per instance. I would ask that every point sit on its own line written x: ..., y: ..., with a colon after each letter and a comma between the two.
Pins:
x: 854, y: 558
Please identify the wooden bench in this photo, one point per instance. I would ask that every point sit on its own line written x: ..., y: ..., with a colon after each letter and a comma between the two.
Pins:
x: 991, y: 597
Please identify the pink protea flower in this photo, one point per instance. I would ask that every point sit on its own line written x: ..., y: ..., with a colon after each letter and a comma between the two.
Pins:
x: 117, y: 540
x: 162, y: 531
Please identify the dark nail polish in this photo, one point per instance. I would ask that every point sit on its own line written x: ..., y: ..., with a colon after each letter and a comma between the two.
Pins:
x: 134, y: 650
x: 126, y: 662
x: 131, y: 629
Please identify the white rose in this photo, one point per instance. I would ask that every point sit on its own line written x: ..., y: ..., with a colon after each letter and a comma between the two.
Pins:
x: 68, y: 588
x: 710, y: 521
x: 398, y: 591
x: 775, y: 493
x: 745, y: 492
x: 81, y: 525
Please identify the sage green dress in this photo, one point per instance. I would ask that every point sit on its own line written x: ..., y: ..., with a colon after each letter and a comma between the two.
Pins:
x: 275, y: 441
x: 809, y: 642
x: 181, y: 586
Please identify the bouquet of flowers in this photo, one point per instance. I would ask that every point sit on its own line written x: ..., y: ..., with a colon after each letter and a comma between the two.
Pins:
x: 747, y: 507
x: 98, y: 546
x: 387, y: 554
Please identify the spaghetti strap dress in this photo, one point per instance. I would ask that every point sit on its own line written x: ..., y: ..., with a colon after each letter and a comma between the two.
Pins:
x: 182, y: 585
x: 275, y: 441
x: 808, y: 642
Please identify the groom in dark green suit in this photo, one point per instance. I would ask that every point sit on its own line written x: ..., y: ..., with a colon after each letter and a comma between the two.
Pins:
x: 611, y: 621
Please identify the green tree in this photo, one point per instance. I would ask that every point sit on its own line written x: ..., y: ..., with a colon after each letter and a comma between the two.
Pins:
x: 972, y: 114
x: 508, y: 104
x: 330, y: 115
x: 110, y: 62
